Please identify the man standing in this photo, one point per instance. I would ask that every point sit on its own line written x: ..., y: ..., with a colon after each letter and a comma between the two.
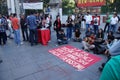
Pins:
x: 16, y: 28
x: 88, y: 19
x: 32, y: 23
x: 108, y: 17
x: 96, y: 23
x: 114, y: 21
x: 2, y: 31
x: 24, y: 28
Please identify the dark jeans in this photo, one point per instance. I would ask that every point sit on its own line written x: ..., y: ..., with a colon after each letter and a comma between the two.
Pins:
x: 107, y: 25
x: 57, y: 31
x: 69, y: 32
x: 95, y: 29
x: 25, y: 34
x: 64, y: 41
x: 2, y: 38
x: 33, y: 36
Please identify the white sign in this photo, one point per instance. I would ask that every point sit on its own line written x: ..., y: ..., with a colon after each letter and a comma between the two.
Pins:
x: 33, y: 5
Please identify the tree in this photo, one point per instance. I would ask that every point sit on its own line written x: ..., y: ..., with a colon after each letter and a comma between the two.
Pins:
x: 46, y: 3
x: 68, y: 6
x: 111, y: 6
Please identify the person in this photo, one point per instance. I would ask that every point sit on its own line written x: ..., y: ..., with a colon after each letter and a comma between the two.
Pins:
x: 16, y: 28
x: 88, y: 32
x: 110, y: 37
x: 114, y: 21
x: 62, y: 39
x: 10, y: 27
x: 24, y: 28
x: 48, y: 22
x: 113, y: 50
x: 76, y: 23
x: 38, y: 20
x: 96, y: 23
x: 88, y: 43
x: 108, y: 18
x: 88, y: 19
x: 118, y: 31
x: 77, y: 35
x: 57, y: 25
x: 69, y: 27
x: 111, y: 70
x: 2, y: 31
x: 83, y: 23
x: 32, y: 24
x: 100, y: 36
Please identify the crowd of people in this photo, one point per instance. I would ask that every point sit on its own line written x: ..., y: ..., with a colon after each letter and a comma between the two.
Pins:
x: 93, y: 40
x: 11, y: 25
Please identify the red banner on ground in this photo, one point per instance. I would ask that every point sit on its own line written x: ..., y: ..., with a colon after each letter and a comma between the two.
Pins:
x: 88, y: 3
x: 75, y: 57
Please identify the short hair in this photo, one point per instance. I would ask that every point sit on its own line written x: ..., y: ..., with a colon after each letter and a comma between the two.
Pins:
x: 14, y: 15
x: 31, y: 12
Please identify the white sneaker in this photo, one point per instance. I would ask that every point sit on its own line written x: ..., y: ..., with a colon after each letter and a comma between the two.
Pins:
x: 21, y: 43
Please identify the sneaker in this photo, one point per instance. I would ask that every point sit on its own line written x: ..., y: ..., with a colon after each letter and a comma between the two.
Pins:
x: 1, y: 61
x: 21, y: 43
x: 100, y: 69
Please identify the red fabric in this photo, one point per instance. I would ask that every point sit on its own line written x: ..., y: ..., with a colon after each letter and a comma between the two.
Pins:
x: 89, y: 3
x: 75, y: 57
x: 58, y: 23
x: 93, y: 19
x: 43, y: 36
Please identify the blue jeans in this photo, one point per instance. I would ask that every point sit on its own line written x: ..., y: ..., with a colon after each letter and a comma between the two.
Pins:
x: 95, y: 29
x: 87, y: 26
x: 113, y: 28
x: 17, y: 36
x: 69, y: 32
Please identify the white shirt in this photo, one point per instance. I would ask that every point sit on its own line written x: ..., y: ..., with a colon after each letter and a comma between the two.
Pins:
x: 0, y: 21
x: 88, y: 19
x: 114, y: 20
x: 47, y: 22
x: 9, y: 23
x: 96, y: 21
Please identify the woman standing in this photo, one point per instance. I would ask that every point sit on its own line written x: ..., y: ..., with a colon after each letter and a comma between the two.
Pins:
x: 69, y: 27
x: 57, y: 25
x: 24, y: 28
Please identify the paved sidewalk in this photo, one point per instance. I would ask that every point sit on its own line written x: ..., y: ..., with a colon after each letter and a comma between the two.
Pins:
x: 36, y: 63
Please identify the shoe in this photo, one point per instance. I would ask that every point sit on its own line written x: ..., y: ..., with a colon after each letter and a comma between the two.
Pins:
x: 21, y: 43
x: 1, y: 61
x: 18, y: 45
x: 87, y: 50
x: 31, y: 44
x: 100, y: 69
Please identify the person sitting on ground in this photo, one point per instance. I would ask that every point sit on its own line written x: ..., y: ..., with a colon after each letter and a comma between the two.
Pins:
x: 89, y: 32
x: 77, y: 35
x: 118, y: 30
x: 88, y: 43
x: 114, y: 50
x: 110, y: 37
x: 62, y: 39
x: 100, y: 36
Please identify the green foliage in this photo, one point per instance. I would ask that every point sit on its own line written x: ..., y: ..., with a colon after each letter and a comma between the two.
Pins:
x: 45, y: 3
x: 111, y: 7
x: 68, y: 6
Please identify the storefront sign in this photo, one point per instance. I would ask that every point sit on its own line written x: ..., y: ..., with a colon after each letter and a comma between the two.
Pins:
x: 88, y: 3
